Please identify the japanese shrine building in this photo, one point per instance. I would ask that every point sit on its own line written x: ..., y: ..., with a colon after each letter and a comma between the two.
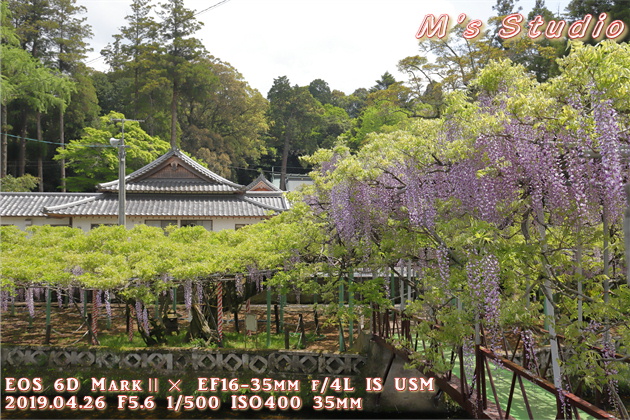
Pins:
x: 172, y: 190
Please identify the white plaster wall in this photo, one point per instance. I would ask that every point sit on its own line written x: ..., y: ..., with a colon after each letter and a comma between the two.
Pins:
x: 21, y: 222
x: 229, y: 223
x: 85, y: 223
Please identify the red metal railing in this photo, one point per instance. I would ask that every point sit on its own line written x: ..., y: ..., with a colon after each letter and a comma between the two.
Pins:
x: 480, y: 397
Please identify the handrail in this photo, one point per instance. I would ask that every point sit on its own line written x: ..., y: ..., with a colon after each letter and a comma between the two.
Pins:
x: 475, y: 401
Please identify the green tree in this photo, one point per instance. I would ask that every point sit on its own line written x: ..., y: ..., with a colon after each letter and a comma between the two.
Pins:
x: 53, y: 33
x: 295, y: 116
x: 223, y: 118
x: 384, y: 82
x: 132, y: 52
x: 20, y: 184
x: 502, y: 9
x: 32, y: 89
x: 321, y: 91
x: 176, y: 29
x: 616, y: 10
x: 93, y: 161
x: 334, y: 122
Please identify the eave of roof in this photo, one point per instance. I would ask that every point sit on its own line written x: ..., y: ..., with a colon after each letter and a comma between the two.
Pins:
x: 157, y: 205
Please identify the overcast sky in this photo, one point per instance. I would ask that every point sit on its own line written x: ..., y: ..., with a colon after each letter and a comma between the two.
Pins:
x: 348, y: 43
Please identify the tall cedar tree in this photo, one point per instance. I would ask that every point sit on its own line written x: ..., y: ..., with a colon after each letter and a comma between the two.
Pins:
x: 132, y: 49
x: 176, y: 30
x: 52, y: 32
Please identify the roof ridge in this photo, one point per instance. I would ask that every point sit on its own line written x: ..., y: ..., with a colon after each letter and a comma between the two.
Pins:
x: 44, y: 193
x: 74, y: 203
x: 264, y: 206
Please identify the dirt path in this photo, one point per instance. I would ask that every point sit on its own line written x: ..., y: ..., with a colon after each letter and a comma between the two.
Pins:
x: 69, y: 329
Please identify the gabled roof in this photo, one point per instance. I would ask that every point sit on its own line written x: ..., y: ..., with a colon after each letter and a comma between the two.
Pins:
x: 261, y: 184
x: 173, y: 172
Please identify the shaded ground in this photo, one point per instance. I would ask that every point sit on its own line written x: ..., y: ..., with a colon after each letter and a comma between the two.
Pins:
x: 69, y: 329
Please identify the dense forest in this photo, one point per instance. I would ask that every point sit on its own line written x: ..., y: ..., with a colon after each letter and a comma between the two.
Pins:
x: 57, y: 113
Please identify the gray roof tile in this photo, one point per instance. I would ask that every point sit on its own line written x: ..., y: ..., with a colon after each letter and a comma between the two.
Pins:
x: 31, y: 204
x: 180, y: 205
x: 204, y: 179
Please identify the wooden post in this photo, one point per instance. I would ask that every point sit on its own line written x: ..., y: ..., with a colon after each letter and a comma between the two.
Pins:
x: 89, y: 326
x: 85, y: 299
x: 48, y: 326
x: 302, y: 340
x: 286, y: 338
x: 268, y: 316
x: 128, y: 315
x: 48, y: 332
x: 283, y: 301
x: 95, y: 313
x: 220, y: 311
x: 351, y: 307
x: 342, y: 345
x: 175, y: 299
x: 48, y: 306
x: 277, y: 318
x: 550, y: 315
x: 392, y: 286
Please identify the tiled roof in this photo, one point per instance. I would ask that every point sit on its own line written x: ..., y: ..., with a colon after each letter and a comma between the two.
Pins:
x: 31, y: 204
x: 181, y: 205
x: 261, y: 183
x: 174, y: 186
x: 199, y: 179
x: 271, y: 200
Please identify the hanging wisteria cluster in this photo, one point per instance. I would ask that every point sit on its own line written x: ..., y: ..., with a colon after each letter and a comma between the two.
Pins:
x: 512, y: 174
x: 483, y: 280
x: 256, y: 276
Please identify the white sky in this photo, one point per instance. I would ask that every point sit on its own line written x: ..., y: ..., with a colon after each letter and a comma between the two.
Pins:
x: 347, y: 43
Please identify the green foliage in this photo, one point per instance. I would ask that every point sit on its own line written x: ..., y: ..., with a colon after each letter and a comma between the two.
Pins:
x: 528, y: 255
x: 22, y: 183
x: 93, y: 160
x: 295, y: 116
x: 223, y: 118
